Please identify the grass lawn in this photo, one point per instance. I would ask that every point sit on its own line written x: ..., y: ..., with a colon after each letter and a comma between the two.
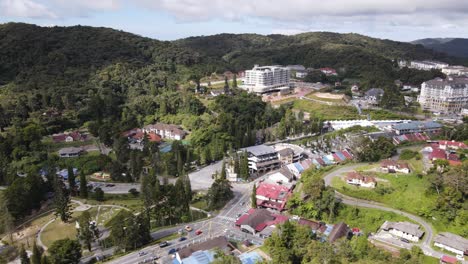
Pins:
x: 59, y: 230
x: 125, y: 200
x: 415, y: 165
x: 384, y: 114
x: 323, y: 111
x: 201, y: 204
x: 368, y: 220
x: 408, y: 192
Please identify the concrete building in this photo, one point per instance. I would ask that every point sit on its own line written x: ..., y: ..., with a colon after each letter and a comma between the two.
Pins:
x: 415, y: 127
x: 301, y: 74
x: 70, y: 152
x: 452, y: 243
x: 455, y: 70
x: 427, y: 65
x: 267, y: 79
x: 289, y: 153
x: 444, y: 96
x: 165, y: 131
x: 262, y: 158
x: 391, y: 166
x: 405, y: 230
x: 357, y: 179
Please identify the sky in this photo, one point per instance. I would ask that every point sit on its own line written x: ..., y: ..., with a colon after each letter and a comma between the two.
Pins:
x: 402, y: 20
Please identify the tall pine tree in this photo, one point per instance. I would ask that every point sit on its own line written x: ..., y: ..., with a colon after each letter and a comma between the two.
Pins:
x: 83, y: 186
x: 36, y: 254
x: 253, y: 198
x: 71, y: 179
x: 62, y: 201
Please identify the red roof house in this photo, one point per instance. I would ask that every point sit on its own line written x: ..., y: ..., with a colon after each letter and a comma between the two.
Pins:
x: 272, y: 196
x: 448, y: 259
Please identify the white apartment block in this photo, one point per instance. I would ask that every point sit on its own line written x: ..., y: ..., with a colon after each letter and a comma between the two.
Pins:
x: 444, y: 96
x: 427, y: 65
x: 267, y: 79
x: 455, y: 70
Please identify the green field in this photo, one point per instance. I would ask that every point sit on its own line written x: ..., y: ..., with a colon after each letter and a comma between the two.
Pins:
x: 125, y: 200
x: 368, y: 220
x: 326, y: 112
x: 403, y: 192
x: 59, y: 230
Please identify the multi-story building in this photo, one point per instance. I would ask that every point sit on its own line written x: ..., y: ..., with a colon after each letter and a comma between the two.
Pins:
x: 455, y: 70
x: 165, y: 131
x: 444, y: 96
x: 267, y: 79
x: 427, y: 65
x: 262, y: 158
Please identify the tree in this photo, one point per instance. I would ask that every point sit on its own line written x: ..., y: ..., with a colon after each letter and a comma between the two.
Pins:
x: 23, y: 255
x: 222, y: 175
x: 36, y: 254
x: 219, y: 193
x: 62, y: 201
x: 98, y: 194
x: 234, y: 81
x: 226, y: 85
x: 85, y: 233
x: 244, y: 166
x: 65, y: 251
x: 253, y: 196
x: 83, y: 186
x: 71, y: 179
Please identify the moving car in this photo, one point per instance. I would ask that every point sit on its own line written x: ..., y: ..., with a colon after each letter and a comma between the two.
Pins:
x: 198, y: 232
x: 142, y: 253
x: 182, y: 238
x: 188, y: 228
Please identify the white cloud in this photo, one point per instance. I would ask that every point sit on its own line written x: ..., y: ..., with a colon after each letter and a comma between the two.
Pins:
x: 25, y: 9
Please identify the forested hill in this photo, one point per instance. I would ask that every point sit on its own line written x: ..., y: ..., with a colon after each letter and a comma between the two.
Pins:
x: 34, y: 56
x: 452, y: 46
x: 354, y: 54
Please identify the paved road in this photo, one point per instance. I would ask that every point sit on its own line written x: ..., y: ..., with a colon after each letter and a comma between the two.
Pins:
x: 425, y: 244
x: 221, y: 224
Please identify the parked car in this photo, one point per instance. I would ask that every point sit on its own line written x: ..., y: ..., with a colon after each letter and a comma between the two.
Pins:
x: 188, y: 228
x: 405, y: 240
x: 172, y: 251
x: 142, y: 253
x: 198, y: 232
x: 110, y: 185
x: 182, y: 238
x: 163, y: 244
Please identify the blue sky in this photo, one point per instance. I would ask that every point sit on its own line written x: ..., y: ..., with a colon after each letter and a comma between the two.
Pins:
x: 403, y: 20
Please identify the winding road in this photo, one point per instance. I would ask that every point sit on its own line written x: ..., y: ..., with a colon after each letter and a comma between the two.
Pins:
x: 425, y: 244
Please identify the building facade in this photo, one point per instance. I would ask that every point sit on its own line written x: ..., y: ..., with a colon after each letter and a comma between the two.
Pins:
x: 452, y: 243
x: 444, y: 96
x: 262, y: 159
x: 427, y: 65
x: 405, y: 230
x: 267, y: 79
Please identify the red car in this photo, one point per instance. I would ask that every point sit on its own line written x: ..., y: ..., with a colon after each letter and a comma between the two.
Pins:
x: 198, y: 232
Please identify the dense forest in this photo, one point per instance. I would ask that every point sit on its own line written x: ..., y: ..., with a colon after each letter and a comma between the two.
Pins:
x: 452, y: 46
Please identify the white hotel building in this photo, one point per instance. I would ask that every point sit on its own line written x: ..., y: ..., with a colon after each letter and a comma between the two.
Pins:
x: 267, y: 79
x: 444, y: 96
